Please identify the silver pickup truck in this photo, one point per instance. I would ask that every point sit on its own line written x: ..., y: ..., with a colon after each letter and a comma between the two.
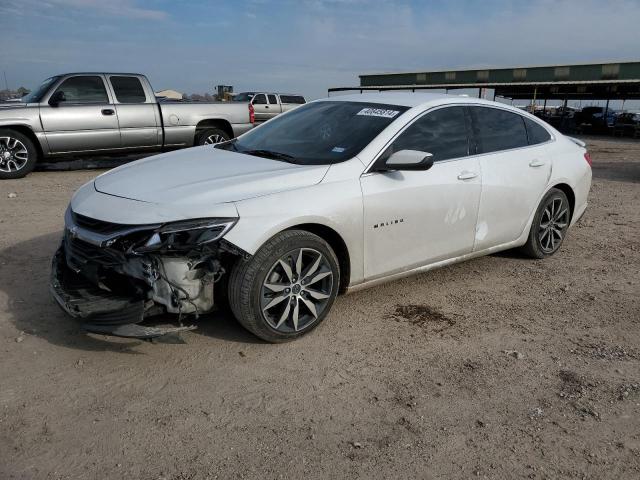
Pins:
x: 107, y: 113
x: 269, y: 105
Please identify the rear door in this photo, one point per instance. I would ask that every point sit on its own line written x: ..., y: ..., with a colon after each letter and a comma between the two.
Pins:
x: 514, y: 173
x: 138, y: 114
x: 415, y: 218
x: 86, y: 120
x: 261, y: 107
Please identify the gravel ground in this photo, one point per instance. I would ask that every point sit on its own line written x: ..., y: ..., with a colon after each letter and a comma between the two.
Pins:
x: 501, y: 367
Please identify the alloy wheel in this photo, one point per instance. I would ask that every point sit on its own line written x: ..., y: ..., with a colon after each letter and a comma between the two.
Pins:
x: 13, y: 154
x: 214, y: 139
x: 296, y: 290
x: 553, y: 224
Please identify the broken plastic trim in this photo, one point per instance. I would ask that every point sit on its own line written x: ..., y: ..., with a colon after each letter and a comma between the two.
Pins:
x: 102, y: 312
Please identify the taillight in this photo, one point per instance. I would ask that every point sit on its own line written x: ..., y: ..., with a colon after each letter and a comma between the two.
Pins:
x: 587, y: 157
x: 252, y: 114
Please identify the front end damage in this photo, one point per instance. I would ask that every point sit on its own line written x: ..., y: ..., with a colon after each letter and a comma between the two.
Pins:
x: 112, y: 277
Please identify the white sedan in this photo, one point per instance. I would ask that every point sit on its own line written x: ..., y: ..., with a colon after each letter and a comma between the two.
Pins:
x: 337, y: 195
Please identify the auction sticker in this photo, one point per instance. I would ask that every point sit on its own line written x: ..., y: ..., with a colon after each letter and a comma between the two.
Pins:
x: 378, y: 112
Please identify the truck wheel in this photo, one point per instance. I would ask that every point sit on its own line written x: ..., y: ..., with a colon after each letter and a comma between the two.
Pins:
x: 18, y: 154
x: 211, y: 136
x: 287, y: 288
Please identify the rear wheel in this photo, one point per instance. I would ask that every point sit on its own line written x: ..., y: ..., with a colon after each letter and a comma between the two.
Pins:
x: 211, y: 136
x: 287, y: 288
x: 550, y: 225
x: 18, y: 155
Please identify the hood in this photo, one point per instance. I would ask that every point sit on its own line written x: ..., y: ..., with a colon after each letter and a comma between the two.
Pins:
x: 205, y: 175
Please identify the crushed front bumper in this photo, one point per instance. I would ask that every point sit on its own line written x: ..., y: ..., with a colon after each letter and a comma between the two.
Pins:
x: 99, y: 310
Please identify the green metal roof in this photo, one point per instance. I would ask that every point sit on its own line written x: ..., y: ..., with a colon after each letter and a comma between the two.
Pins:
x: 595, y: 80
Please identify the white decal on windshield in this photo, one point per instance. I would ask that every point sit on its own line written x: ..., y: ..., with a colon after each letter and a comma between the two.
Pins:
x: 338, y: 149
x: 378, y: 112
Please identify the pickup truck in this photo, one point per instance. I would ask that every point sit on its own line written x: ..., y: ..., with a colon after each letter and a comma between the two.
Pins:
x: 269, y: 105
x: 107, y: 113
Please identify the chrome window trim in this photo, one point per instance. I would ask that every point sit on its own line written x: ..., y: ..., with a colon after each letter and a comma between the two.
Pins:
x: 432, y: 109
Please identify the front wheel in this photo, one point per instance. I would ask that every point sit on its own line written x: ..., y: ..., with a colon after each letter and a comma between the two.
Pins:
x: 549, y: 226
x: 18, y: 155
x: 287, y: 288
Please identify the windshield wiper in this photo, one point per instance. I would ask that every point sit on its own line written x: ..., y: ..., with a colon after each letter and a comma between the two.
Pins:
x: 271, y: 154
x: 229, y: 143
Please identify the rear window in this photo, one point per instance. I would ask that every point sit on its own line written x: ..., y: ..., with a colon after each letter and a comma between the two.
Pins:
x: 292, y: 99
x: 498, y: 130
x: 536, y: 133
x: 128, y: 89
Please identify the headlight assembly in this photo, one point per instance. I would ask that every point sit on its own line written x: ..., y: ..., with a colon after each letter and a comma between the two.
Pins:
x: 185, y: 235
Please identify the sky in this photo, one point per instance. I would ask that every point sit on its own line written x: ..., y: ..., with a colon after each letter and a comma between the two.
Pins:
x: 303, y: 46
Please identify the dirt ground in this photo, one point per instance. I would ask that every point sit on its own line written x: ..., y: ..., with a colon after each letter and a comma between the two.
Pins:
x: 501, y: 367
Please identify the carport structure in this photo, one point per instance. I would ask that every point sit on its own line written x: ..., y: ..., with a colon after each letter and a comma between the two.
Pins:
x: 594, y: 81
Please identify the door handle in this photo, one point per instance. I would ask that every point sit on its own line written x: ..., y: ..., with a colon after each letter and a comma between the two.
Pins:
x: 467, y: 175
x: 536, y: 163
x: 107, y: 111
x: 266, y: 106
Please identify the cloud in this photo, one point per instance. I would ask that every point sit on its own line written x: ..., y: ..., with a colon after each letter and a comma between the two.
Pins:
x: 116, y: 8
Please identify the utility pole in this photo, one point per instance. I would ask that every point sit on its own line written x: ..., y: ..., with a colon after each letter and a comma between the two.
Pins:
x: 6, y: 85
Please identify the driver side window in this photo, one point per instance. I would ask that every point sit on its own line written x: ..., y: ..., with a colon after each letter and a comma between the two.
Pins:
x: 83, y: 90
x: 260, y: 99
x: 442, y: 133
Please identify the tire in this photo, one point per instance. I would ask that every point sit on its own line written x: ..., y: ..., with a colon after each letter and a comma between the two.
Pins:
x: 211, y: 136
x: 549, y: 226
x: 18, y: 154
x: 282, y: 311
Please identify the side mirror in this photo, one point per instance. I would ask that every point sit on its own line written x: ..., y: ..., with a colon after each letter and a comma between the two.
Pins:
x: 57, y: 98
x: 407, y: 160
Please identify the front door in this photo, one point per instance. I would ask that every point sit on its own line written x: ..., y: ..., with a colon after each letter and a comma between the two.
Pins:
x: 84, y: 120
x: 261, y: 107
x: 414, y: 218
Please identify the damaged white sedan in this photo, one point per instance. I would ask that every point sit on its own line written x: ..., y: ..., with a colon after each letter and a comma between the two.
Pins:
x: 336, y: 195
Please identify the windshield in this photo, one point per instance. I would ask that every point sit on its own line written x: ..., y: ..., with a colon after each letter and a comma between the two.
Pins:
x: 319, y: 133
x: 243, y: 97
x: 39, y: 92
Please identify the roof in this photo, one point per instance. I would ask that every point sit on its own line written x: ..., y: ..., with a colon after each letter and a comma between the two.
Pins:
x: 613, y: 80
x: 406, y: 99
x: 486, y: 67
x: 410, y: 99
x: 66, y: 74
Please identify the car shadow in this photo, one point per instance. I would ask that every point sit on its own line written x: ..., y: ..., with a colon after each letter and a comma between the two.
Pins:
x: 24, y: 279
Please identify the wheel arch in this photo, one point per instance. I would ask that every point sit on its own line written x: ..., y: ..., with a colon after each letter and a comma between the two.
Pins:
x: 571, y: 196
x: 220, y: 123
x: 337, y: 244
x: 30, y: 134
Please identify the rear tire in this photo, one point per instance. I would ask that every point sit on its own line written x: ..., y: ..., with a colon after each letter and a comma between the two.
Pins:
x: 211, y: 136
x: 287, y: 288
x: 549, y: 226
x: 18, y: 154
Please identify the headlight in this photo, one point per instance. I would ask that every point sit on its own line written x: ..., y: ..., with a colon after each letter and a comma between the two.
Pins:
x: 185, y: 235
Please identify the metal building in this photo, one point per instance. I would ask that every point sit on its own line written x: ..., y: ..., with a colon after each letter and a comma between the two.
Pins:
x: 595, y: 81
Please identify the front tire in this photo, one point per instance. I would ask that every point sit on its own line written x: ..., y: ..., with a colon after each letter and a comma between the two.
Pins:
x: 549, y: 226
x: 287, y: 288
x: 18, y: 154
x: 212, y: 136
